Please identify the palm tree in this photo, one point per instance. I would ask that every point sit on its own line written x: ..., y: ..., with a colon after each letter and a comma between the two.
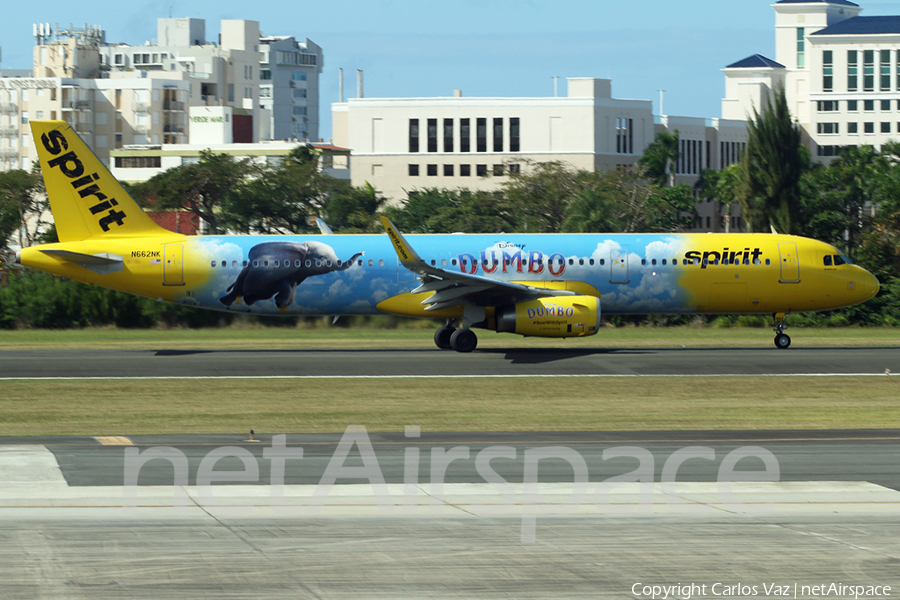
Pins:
x: 771, y: 168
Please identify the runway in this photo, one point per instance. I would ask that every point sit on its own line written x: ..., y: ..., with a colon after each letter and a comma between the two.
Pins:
x: 436, y: 363
x: 448, y: 514
x: 70, y: 529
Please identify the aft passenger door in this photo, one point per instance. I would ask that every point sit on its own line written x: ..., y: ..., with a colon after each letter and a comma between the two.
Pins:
x: 173, y: 264
x: 790, y: 262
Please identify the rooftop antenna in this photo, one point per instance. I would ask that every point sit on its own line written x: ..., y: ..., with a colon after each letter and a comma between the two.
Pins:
x: 341, y: 84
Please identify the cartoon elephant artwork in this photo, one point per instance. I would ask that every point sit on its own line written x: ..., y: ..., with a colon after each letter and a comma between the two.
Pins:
x: 277, y: 268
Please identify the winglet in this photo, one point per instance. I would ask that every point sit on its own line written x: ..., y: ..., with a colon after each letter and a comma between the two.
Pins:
x: 404, y: 251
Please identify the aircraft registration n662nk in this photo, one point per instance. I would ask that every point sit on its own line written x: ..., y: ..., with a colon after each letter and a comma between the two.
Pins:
x: 545, y: 285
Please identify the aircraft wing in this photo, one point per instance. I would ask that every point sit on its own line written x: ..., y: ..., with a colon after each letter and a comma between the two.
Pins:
x: 452, y: 289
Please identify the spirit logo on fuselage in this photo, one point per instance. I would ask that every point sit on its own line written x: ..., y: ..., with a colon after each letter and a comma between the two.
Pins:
x: 71, y: 166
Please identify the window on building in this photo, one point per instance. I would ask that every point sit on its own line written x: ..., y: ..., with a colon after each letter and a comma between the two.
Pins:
x: 885, y: 70
x: 448, y: 170
x: 514, y: 134
x: 852, y: 105
x: 868, y: 105
x: 448, y: 135
x: 498, y: 170
x: 413, y: 170
x: 801, y: 43
x: 624, y: 136
x: 481, y: 170
x: 481, y: 135
x: 498, y: 134
x: 432, y: 136
x: 265, y: 74
x: 868, y: 70
x: 465, y: 136
x: 413, y: 135
x: 828, y: 128
x: 465, y: 170
x: 852, y: 127
x: 851, y: 71
x: 431, y: 170
x: 299, y: 76
x: 868, y: 127
x: 828, y: 105
x: 885, y: 127
x: 514, y: 168
x: 827, y: 71
x: 886, y: 105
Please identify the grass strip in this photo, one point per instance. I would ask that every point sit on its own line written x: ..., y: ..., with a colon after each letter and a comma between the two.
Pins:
x: 131, y: 407
x: 420, y: 336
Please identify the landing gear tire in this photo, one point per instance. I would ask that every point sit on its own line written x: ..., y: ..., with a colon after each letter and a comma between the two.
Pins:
x: 463, y: 340
x: 782, y: 340
x: 442, y: 337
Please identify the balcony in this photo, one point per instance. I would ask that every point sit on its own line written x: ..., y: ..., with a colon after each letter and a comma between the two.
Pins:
x: 140, y: 107
x: 9, y: 107
x: 9, y: 129
x: 173, y: 128
x: 76, y: 104
x: 173, y: 105
x: 142, y: 129
x: 84, y: 128
x: 9, y: 153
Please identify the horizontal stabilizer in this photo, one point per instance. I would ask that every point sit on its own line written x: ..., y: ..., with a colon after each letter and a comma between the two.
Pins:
x: 102, y: 263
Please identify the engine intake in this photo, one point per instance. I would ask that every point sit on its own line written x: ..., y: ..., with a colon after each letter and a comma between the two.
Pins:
x: 555, y: 316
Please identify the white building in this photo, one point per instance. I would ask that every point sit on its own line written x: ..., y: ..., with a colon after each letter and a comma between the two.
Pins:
x: 135, y: 164
x: 840, y: 71
x: 217, y: 74
x: 289, y: 86
x: 402, y: 144
x: 107, y: 113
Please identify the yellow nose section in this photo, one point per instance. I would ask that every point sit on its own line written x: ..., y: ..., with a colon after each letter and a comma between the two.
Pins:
x: 870, y: 285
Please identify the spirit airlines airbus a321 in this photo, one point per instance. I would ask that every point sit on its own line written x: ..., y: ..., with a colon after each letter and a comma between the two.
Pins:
x: 545, y: 285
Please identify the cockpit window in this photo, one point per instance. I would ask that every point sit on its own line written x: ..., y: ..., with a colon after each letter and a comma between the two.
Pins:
x: 839, y: 260
x: 827, y: 260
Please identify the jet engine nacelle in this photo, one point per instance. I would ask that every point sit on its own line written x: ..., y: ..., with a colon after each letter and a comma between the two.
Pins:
x: 556, y: 316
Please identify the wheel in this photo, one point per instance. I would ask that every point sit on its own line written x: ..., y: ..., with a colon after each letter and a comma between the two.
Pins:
x: 782, y: 340
x: 463, y: 340
x: 442, y: 337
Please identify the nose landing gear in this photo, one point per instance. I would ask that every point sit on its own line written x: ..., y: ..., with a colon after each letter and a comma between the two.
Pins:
x: 782, y: 340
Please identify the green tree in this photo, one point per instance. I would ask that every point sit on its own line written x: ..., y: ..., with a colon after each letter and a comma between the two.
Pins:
x: 354, y: 209
x: 435, y: 210
x: 540, y: 193
x: 22, y: 202
x: 200, y: 187
x: 659, y: 158
x: 771, y: 168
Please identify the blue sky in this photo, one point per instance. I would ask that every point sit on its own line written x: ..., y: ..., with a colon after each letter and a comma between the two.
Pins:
x: 410, y: 48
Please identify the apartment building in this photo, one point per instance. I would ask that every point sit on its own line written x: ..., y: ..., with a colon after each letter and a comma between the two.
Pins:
x: 289, y: 87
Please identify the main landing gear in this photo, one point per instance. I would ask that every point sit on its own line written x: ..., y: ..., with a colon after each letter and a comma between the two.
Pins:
x: 782, y: 340
x: 450, y: 338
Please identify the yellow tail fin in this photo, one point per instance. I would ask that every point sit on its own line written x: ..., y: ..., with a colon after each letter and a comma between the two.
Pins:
x: 86, y: 200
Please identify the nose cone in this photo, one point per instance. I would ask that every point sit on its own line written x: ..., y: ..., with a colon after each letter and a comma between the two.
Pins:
x: 870, y: 285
